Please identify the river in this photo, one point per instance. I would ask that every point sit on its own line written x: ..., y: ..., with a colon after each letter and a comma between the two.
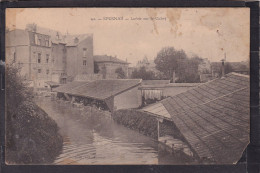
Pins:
x: 96, y: 139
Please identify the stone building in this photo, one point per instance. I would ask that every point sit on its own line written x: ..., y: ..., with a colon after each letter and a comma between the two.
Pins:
x: 107, y: 66
x: 47, y: 55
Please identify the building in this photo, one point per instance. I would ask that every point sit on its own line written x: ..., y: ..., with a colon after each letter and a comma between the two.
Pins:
x: 106, y: 94
x: 156, y: 90
x: 47, y: 55
x: 107, y: 66
x: 149, y: 65
x: 213, y: 117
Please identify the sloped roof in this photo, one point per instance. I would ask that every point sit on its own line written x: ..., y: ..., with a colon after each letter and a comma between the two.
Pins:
x: 63, y: 38
x: 106, y: 58
x: 152, y: 82
x: 70, y: 39
x: 213, y: 117
x: 66, y: 88
x: 51, y: 83
x: 99, y: 89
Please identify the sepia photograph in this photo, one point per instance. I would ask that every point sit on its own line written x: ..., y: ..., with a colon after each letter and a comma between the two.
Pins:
x: 127, y: 86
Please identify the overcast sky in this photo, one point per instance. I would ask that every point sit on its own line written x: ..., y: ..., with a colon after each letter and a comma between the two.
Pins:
x: 207, y: 32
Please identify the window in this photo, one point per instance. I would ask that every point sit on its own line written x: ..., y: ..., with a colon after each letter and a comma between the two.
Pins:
x: 84, y: 52
x: 84, y: 62
x: 14, y: 56
x: 39, y: 58
x: 47, y: 43
x: 39, y: 41
x: 34, y: 55
x: 39, y: 70
x: 47, y: 71
x: 47, y: 58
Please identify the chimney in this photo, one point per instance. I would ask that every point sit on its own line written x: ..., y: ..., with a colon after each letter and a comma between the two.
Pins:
x: 223, y: 66
x: 173, y: 76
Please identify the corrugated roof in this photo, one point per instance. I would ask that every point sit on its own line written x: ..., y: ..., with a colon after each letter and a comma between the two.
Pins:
x: 106, y: 58
x: 213, y: 117
x: 99, y: 89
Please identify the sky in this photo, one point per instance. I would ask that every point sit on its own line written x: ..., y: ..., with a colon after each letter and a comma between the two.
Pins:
x: 207, y: 32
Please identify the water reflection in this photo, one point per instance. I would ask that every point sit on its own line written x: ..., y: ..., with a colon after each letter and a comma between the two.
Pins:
x: 91, y: 138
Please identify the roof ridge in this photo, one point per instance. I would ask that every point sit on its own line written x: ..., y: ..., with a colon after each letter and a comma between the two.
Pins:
x: 238, y: 74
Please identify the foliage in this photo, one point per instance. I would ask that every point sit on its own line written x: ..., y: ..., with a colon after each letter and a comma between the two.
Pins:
x: 31, y: 136
x: 189, y: 71
x: 169, y: 60
x: 120, y: 73
x: 143, y: 74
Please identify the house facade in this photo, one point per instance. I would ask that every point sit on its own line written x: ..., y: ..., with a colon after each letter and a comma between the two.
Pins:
x: 46, y: 55
x: 108, y: 65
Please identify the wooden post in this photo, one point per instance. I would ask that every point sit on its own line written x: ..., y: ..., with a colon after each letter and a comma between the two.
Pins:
x: 158, y: 128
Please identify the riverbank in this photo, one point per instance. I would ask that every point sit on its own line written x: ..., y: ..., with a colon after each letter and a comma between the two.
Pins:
x: 32, y: 136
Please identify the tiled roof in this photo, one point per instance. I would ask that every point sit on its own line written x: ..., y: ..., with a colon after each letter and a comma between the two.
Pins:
x: 99, y: 89
x: 106, y: 58
x: 213, y: 117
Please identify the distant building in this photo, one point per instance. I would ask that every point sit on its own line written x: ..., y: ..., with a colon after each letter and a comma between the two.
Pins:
x: 47, y: 55
x: 204, y: 67
x: 107, y: 66
x: 148, y: 64
x: 156, y: 90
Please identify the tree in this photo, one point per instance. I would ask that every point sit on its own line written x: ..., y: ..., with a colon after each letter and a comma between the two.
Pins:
x: 169, y: 60
x: 120, y: 73
x: 143, y: 74
x: 189, y: 72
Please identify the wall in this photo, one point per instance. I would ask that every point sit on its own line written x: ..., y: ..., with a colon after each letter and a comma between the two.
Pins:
x: 22, y: 58
x: 17, y: 41
x: 71, y: 61
x: 128, y: 99
x: 44, y: 66
x: 89, y: 68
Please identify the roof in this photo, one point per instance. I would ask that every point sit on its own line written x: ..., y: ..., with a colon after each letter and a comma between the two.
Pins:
x: 67, y: 87
x: 63, y: 38
x: 182, y: 84
x: 51, y: 83
x: 70, y: 39
x: 213, y: 117
x: 106, y: 58
x: 164, y: 84
x: 152, y: 82
x: 99, y: 89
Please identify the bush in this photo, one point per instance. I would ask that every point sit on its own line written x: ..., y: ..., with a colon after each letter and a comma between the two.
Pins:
x: 31, y: 135
x: 137, y: 120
